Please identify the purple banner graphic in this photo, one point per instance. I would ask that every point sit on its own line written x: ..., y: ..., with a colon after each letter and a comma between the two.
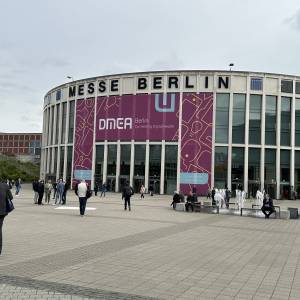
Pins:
x: 196, y: 142
x: 138, y: 117
x: 83, y: 146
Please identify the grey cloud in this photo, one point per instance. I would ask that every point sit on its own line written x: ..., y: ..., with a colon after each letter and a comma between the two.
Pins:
x: 171, y: 62
x: 55, y: 62
x: 294, y: 21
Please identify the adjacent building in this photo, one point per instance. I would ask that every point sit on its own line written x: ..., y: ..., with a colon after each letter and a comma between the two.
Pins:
x: 176, y: 130
x: 25, y: 146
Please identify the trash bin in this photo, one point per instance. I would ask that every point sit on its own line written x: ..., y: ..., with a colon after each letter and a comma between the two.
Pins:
x: 293, y: 212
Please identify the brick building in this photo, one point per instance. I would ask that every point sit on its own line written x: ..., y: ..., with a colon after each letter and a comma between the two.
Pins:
x: 25, y: 146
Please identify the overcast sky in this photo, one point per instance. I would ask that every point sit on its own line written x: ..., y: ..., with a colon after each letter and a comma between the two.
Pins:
x: 42, y: 42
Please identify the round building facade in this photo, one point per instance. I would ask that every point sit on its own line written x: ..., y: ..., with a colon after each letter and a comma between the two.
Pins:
x: 176, y: 130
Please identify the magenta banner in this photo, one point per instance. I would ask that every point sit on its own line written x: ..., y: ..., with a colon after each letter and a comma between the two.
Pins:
x: 83, y: 145
x: 139, y: 117
x: 196, y: 142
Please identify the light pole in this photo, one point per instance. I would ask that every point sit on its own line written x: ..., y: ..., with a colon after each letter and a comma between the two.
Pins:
x: 230, y: 66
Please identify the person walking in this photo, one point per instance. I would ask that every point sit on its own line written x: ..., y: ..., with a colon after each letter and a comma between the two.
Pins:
x: 4, y: 194
x: 227, y: 197
x: 103, y: 190
x: 59, y: 191
x: 54, y: 185
x: 81, y: 190
x: 48, y: 188
x: 96, y: 188
x: 64, y: 195
x: 41, y: 189
x: 213, y: 192
x: 142, y: 191
x: 35, y: 185
x: 126, y: 194
x: 18, y: 186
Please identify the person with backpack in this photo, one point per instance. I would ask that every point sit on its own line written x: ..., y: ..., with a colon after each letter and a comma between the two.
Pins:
x: 126, y: 194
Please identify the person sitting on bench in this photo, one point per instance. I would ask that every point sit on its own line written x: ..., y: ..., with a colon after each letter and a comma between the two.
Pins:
x: 190, y: 199
x: 176, y: 199
x: 268, y: 206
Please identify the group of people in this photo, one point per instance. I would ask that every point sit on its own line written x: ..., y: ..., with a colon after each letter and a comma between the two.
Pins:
x: 83, y: 191
x: 102, y: 188
x: 44, y: 190
x: 179, y: 197
x: 222, y: 196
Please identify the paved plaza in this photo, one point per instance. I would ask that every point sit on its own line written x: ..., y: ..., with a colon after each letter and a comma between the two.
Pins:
x: 151, y: 252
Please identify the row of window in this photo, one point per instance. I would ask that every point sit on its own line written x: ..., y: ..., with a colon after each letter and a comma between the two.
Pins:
x: 56, y: 117
x: 255, y: 119
x: 19, y: 137
x: 254, y: 169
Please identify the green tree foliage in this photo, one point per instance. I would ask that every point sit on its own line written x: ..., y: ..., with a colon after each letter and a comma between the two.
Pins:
x: 11, y: 168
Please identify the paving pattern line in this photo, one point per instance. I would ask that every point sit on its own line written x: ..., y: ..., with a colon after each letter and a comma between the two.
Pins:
x: 57, y: 261
x: 68, y: 289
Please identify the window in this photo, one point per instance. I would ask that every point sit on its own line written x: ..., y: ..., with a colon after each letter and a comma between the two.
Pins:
x: 237, y: 168
x: 57, y: 123
x: 297, y: 87
x: 270, y: 122
x: 286, y: 86
x: 270, y: 165
x: 221, y: 167
x: 99, y: 163
x: 254, y: 164
x: 222, y: 109
x: 63, y: 122
x: 139, y: 160
x: 111, y: 160
x: 256, y: 84
x: 171, y: 152
x: 238, y: 119
x: 71, y: 121
x: 69, y: 163
x: 285, y: 129
x: 58, y: 95
x: 255, y: 119
x: 125, y: 160
x: 297, y: 122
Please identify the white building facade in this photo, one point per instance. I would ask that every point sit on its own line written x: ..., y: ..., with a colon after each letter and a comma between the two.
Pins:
x: 176, y: 130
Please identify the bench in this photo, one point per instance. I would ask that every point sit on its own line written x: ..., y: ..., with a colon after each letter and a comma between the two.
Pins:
x: 197, y: 206
x: 180, y: 206
x: 275, y: 206
x: 254, y: 210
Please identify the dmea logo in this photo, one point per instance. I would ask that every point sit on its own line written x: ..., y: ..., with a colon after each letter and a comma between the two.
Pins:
x: 111, y: 123
x: 164, y: 107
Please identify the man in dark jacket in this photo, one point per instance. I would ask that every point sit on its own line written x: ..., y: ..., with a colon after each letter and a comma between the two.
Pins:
x: 213, y: 192
x: 268, y: 206
x: 4, y: 193
x: 126, y: 194
x: 41, y: 192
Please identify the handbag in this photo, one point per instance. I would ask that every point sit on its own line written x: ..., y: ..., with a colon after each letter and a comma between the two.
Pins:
x: 9, y: 205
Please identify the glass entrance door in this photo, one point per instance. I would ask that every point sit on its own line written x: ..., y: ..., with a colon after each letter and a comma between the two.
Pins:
x: 154, y: 181
x: 270, y: 188
x: 111, y: 184
x: 253, y: 187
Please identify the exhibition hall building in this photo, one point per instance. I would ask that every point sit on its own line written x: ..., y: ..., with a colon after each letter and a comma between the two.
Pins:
x: 176, y: 130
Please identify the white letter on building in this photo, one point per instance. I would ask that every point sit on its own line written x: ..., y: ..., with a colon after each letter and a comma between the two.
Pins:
x: 128, y: 123
x: 102, y: 124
